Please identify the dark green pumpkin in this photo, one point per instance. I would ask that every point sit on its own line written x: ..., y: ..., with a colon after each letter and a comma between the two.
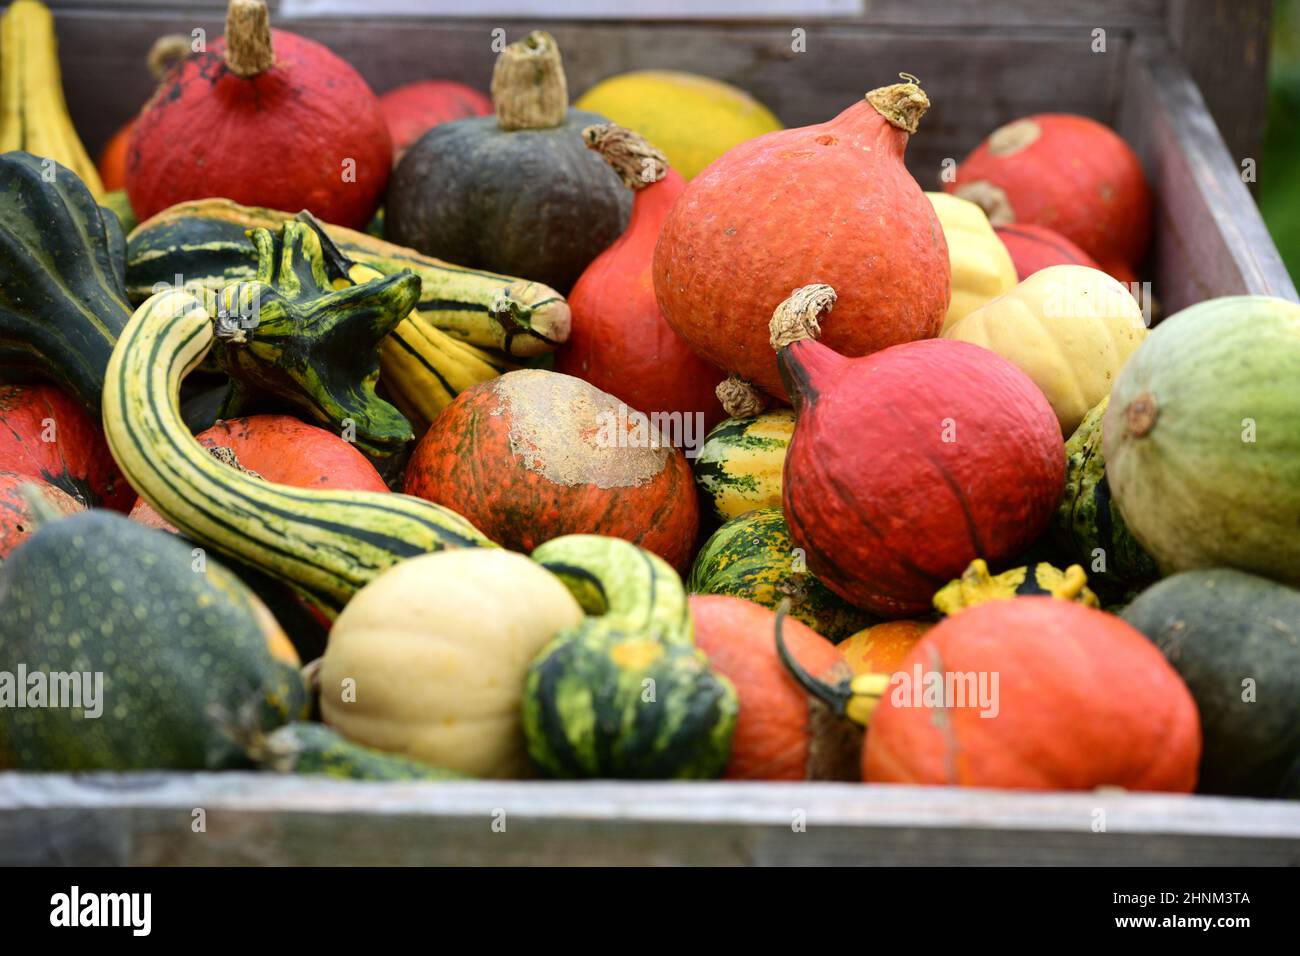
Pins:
x: 191, y: 661
x: 62, y: 284
x: 1231, y: 636
x: 491, y: 194
x: 752, y: 556
x: 1089, y: 526
x: 310, y: 748
x: 605, y: 704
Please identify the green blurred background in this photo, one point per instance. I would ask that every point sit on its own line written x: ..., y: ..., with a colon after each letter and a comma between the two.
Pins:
x: 1279, y: 167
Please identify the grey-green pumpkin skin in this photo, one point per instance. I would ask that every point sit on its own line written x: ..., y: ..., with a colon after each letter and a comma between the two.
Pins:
x: 183, y: 652
x: 1232, y: 636
x: 532, y: 203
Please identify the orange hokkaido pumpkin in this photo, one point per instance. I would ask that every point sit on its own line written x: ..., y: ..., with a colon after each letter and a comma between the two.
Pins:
x: 782, y: 733
x: 1058, y: 696
x: 831, y: 203
x: 18, y: 520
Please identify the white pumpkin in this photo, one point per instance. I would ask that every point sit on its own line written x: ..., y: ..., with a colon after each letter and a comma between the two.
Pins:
x: 981, y: 266
x: 429, y: 659
x: 1069, y: 328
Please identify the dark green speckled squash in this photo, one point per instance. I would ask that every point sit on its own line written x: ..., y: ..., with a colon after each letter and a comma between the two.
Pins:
x: 517, y: 193
x: 62, y: 282
x: 752, y: 556
x: 191, y: 660
x: 1089, y: 526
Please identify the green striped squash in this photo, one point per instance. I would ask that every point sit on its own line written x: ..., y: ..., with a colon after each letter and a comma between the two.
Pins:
x: 752, y: 557
x: 1089, y: 526
x: 191, y: 664
x: 314, y: 749
x: 328, y: 544
x: 739, y: 466
x: 204, y: 242
x: 62, y: 300
x: 625, y: 694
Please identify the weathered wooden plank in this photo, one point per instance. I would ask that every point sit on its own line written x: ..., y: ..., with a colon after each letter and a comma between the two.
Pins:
x: 263, y: 819
x: 1209, y: 237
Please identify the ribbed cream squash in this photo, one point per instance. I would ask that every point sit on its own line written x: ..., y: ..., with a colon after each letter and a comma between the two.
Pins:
x: 1069, y: 328
x: 429, y: 659
x: 982, y: 268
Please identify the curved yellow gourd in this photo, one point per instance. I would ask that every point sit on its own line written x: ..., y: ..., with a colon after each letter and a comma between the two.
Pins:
x: 1069, y: 328
x: 693, y: 119
x: 982, y: 268
x: 327, y: 544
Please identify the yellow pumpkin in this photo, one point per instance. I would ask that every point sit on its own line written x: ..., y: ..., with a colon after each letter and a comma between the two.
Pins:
x: 1069, y: 328
x: 693, y: 119
x: 981, y: 267
x: 429, y: 659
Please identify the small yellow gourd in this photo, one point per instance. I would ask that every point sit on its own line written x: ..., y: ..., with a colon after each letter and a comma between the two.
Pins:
x: 982, y: 268
x: 429, y: 660
x: 978, y: 586
x: 1069, y: 328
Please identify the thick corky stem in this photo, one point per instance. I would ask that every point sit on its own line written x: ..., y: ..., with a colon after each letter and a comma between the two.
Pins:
x: 227, y: 456
x: 528, y: 86
x: 165, y: 53
x: 248, y: 38
x: 903, y: 104
x: 797, y: 317
x: 738, y: 398
x: 637, y: 163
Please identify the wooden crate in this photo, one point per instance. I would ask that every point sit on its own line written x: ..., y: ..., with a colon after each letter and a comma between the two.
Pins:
x: 983, y: 62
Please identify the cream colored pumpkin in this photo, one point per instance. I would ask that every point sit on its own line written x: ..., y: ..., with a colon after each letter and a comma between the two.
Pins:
x: 981, y: 267
x: 1069, y: 328
x: 429, y: 659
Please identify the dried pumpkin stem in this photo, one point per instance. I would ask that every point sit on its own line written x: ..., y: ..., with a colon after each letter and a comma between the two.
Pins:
x: 166, y: 52
x: 248, y: 38
x: 798, y: 316
x: 228, y: 457
x: 529, y: 90
x: 637, y: 163
x: 903, y: 104
x: 739, y: 399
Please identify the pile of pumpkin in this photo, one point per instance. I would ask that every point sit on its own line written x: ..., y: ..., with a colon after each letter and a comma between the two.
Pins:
x: 943, y: 445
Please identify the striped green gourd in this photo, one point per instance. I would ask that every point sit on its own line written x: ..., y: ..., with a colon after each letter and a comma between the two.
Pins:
x: 739, y: 465
x: 314, y: 749
x: 62, y: 298
x: 626, y: 693
x: 203, y: 242
x: 328, y: 544
x: 191, y: 663
x: 752, y: 557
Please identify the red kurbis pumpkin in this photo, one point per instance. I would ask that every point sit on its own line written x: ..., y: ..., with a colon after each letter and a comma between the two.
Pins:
x: 909, y: 463
x: 533, y: 455
x: 1076, y: 699
x: 414, y: 109
x: 1036, y: 247
x: 46, y: 435
x: 285, y: 450
x: 782, y: 733
x: 17, y: 519
x: 1069, y: 173
x: 831, y: 203
x: 619, y: 340
x: 265, y: 118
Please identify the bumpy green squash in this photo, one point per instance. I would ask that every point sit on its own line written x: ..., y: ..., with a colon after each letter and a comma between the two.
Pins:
x: 752, y: 556
x: 1235, y: 639
x: 739, y: 466
x: 1202, y: 438
x: 191, y: 662
x: 1089, y: 525
x: 62, y: 298
x: 624, y: 694
x: 308, y: 748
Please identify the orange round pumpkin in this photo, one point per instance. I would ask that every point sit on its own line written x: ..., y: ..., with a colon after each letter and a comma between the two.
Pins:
x: 17, y: 519
x: 618, y: 340
x: 831, y: 203
x: 46, y: 435
x: 283, y: 449
x: 534, y: 454
x: 881, y: 648
x: 1068, y: 173
x: 1060, y: 697
x: 781, y: 733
